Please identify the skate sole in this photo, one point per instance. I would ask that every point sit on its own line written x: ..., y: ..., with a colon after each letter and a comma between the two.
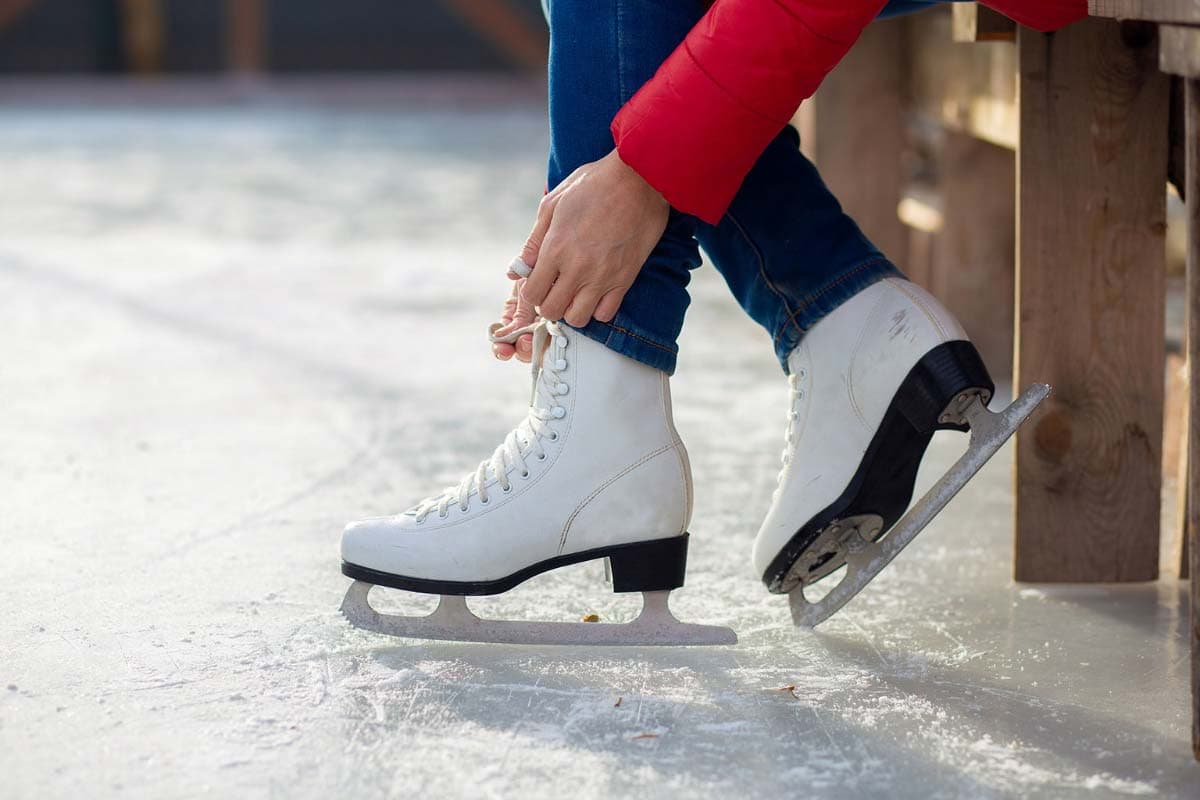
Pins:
x: 945, y: 378
x: 865, y: 560
x: 650, y: 566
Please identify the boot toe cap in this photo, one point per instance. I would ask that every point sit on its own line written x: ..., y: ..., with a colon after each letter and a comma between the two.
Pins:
x: 368, y: 542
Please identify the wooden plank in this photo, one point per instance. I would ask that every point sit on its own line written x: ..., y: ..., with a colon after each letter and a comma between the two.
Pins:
x: 1186, y: 11
x: 976, y: 23
x: 1193, y: 361
x: 1175, y: 437
x: 970, y: 88
x: 1179, y: 50
x: 1090, y: 303
x: 974, y: 253
x: 854, y: 126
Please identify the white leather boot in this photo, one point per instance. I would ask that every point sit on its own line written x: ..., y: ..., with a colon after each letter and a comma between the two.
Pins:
x: 870, y: 382
x: 596, y: 470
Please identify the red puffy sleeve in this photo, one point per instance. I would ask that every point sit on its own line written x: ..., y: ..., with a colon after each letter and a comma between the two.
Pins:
x: 1045, y: 15
x: 697, y: 127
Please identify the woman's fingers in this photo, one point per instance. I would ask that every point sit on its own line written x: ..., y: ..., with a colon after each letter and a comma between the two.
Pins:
x: 579, y: 313
x: 517, y: 314
x: 608, y: 306
x: 503, y: 350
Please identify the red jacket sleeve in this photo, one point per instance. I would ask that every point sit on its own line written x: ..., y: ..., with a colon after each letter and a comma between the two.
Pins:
x: 1045, y: 15
x: 697, y: 127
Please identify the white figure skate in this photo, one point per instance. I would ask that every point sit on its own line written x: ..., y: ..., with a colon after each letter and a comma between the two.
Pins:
x: 871, y: 382
x: 595, y: 471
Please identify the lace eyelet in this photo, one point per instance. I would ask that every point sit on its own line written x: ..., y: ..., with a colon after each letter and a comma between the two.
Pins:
x: 554, y: 436
x: 483, y: 502
x: 541, y: 457
x: 525, y: 474
x: 559, y: 412
x: 560, y: 364
x: 507, y: 489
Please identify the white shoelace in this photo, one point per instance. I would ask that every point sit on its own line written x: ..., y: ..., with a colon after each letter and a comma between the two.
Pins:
x: 524, y: 441
x: 796, y: 394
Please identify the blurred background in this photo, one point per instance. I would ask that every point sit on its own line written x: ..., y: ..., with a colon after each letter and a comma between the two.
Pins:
x: 149, y: 37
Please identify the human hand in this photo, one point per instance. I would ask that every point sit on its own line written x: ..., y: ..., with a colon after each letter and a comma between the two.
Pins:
x: 592, y: 236
x: 517, y: 313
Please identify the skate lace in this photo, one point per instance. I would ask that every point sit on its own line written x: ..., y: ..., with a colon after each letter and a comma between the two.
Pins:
x: 795, y: 394
x: 525, y: 440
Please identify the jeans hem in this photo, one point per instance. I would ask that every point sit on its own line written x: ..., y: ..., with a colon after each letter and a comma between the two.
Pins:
x: 818, y: 304
x: 632, y: 344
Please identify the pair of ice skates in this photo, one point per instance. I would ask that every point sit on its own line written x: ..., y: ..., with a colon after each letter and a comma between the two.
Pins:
x: 597, y: 471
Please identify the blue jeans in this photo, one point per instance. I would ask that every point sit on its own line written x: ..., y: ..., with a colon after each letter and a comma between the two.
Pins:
x: 788, y: 252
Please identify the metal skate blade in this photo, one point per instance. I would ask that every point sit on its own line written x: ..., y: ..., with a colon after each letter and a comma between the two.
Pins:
x: 452, y: 620
x: 988, y: 432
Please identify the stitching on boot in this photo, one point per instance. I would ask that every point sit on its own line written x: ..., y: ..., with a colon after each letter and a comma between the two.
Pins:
x: 562, y: 542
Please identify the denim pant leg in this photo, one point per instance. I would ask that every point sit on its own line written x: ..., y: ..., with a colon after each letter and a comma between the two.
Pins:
x: 601, y: 52
x: 787, y: 250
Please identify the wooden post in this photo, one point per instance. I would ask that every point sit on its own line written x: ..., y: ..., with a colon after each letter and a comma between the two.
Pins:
x: 854, y: 130
x: 1090, y: 302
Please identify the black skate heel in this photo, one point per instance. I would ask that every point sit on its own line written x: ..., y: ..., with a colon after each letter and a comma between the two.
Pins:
x: 939, y: 388
x: 656, y: 566
x: 934, y: 396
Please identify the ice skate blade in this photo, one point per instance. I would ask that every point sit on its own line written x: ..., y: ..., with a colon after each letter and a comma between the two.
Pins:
x: 866, y: 560
x: 452, y: 620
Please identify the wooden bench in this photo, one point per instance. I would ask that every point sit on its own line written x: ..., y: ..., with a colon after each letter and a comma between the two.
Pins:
x: 1052, y: 163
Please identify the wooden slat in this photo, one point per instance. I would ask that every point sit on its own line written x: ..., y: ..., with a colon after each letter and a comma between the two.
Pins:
x: 1193, y: 347
x: 976, y: 23
x: 1187, y: 11
x: 1175, y: 437
x: 1090, y: 303
x: 1179, y: 50
x: 855, y: 127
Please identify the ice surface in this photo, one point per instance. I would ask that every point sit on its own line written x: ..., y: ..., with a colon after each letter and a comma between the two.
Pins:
x: 227, y: 329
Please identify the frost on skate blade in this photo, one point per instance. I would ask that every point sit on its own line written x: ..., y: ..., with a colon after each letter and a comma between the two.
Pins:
x: 988, y: 431
x: 453, y: 620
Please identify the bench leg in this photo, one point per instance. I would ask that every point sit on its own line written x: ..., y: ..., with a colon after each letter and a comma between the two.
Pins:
x: 1090, y: 302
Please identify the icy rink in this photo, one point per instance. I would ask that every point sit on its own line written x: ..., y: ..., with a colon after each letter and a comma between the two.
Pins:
x: 228, y: 328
